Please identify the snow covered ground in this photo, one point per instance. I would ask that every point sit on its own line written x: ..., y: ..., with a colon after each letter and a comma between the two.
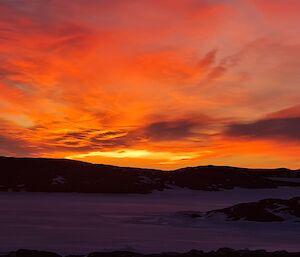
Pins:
x: 82, y: 223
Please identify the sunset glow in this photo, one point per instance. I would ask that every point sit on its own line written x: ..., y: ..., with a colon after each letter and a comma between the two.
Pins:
x: 155, y: 83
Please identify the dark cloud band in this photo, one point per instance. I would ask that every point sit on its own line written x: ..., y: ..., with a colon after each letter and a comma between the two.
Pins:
x: 279, y: 128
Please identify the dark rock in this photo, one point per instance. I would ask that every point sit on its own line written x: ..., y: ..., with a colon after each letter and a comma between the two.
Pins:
x: 267, y: 210
x: 75, y: 255
x: 34, y: 253
x: 115, y: 254
x: 222, y: 252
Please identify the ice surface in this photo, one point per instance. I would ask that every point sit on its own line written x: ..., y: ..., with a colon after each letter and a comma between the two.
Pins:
x: 82, y: 223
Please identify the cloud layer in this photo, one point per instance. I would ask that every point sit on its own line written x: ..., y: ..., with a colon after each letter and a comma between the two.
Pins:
x: 280, y: 129
x: 194, y: 82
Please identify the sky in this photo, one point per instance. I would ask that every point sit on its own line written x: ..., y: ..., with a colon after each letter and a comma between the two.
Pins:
x: 155, y: 83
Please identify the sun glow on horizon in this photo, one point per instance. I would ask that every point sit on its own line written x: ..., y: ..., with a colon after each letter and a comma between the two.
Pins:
x: 161, y: 157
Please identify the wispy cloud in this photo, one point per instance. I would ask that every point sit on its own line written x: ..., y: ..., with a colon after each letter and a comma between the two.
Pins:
x: 171, y: 78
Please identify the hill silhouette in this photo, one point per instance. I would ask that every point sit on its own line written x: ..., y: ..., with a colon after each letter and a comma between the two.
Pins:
x: 62, y: 175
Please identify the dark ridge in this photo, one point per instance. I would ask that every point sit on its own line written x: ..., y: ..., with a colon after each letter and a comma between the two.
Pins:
x: 62, y: 175
x: 222, y: 252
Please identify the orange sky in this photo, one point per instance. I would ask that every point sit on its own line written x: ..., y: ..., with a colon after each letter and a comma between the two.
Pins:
x: 154, y: 83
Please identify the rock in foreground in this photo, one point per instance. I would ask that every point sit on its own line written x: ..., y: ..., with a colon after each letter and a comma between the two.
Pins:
x: 223, y: 252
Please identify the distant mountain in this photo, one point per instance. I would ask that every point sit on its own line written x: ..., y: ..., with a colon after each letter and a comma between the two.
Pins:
x: 267, y: 210
x: 61, y: 175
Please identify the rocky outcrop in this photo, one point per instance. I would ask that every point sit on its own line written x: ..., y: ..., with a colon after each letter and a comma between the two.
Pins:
x: 267, y: 210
